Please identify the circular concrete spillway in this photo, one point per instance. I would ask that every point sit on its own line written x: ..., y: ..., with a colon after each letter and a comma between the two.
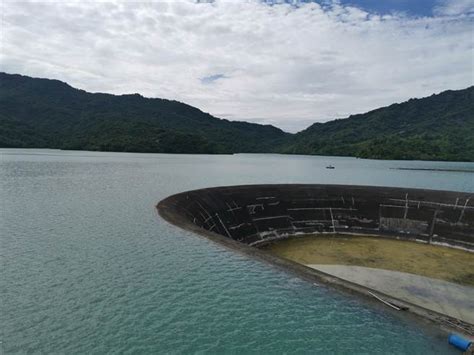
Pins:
x: 248, y: 217
x: 259, y: 214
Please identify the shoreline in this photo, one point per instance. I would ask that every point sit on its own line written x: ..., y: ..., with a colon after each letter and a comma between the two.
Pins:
x: 263, y: 153
x: 437, y: 169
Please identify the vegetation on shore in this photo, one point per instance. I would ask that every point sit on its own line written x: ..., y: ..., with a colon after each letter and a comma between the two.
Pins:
x: 42, y: 113
x: 439, y: 127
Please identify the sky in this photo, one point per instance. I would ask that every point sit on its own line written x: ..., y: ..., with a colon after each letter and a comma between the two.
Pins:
x: 285, y: 63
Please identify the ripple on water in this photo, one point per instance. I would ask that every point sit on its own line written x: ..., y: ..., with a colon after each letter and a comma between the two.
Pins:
x: 88, y: 267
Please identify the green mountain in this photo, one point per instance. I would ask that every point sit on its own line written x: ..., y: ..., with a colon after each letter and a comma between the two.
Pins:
x: 439, y: 127
x: 42, y: 113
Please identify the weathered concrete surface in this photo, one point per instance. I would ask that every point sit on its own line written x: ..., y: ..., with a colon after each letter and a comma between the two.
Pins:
x: 438, y: 295
x: 240, y: 217
x: 258, y: 214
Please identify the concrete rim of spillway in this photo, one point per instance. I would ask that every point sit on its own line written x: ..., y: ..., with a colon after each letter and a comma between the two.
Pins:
x: 409, y: 210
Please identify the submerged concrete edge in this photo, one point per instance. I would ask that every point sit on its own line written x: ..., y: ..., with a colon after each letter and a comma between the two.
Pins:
x: 427, y: 317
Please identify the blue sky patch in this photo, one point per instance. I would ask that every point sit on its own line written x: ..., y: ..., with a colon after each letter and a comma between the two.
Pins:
x: 207, y: 80
x: 410, y: 7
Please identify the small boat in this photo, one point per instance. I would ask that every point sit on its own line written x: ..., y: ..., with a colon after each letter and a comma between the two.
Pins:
x: 330, y: 167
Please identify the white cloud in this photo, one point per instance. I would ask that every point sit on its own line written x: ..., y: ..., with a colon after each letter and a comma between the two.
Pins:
x: 454, y: 7
x: 285, y: 65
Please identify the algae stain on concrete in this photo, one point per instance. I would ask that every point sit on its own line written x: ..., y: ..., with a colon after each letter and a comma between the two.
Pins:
x: 437, y: 262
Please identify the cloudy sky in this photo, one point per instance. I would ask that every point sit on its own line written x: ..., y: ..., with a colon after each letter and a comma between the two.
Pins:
x: 286, y: 64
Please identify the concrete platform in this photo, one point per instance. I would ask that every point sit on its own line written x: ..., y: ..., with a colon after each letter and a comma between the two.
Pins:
x: 440, y: 296
x: 247, y: 217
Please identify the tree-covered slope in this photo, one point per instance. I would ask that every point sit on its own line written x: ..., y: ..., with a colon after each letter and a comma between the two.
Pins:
x: 439, y: 127
x: 42, y: 113
x: 49, y: 113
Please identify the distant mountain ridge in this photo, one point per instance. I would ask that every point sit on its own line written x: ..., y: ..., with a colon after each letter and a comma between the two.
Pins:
x: 438, y: 127
x: 50, y: 113
x: 43, y: 113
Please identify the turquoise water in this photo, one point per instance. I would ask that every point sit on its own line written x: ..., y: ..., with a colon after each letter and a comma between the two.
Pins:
x: 89, y: 267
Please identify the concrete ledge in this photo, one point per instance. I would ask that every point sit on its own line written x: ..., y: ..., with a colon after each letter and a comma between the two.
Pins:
x: 241, y: 216
x: 440, y: 296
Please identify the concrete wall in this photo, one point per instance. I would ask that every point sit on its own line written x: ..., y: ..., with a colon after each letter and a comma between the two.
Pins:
x: 258, y: 214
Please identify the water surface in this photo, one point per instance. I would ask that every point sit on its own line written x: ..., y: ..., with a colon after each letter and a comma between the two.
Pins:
x: 89, y: 267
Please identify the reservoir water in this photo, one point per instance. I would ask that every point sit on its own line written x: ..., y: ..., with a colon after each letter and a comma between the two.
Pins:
x: 87, y: 266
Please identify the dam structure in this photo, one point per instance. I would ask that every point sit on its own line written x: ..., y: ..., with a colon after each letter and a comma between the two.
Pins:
x: 249, y: 217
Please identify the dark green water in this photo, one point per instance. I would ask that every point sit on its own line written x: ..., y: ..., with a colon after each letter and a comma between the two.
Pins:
x: 87, y: 266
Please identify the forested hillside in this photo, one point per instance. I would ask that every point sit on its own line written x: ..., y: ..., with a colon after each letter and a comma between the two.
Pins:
x: 43, y: 113
x: 439, y: 127
x: 50, y: 113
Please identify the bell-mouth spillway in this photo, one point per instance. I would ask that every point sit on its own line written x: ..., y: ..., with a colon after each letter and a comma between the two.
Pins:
x: 248, y: 217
